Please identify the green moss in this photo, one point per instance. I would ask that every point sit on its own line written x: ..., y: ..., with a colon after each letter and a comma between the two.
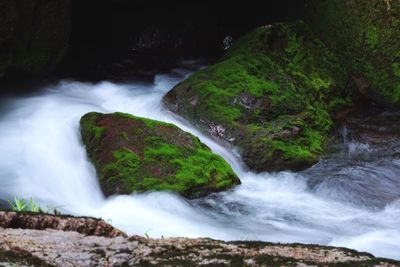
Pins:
x: 122, y: 171
x: 191, y: 167
x: 372, y: 37
x: 203, y: 168
x: 291, y: 146
x: 157, y: 149
x: 98, y: 132
x: 89, y: 125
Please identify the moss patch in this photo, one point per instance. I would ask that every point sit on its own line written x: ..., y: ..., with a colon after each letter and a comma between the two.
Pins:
x: 272, y: 95
x: 133, y: 154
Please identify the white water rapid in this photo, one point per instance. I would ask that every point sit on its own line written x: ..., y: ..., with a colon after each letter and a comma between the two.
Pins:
x: 42, y: 156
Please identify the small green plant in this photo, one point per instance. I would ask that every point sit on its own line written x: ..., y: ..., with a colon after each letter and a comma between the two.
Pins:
x: 33, y: 206
x: 18, y: 204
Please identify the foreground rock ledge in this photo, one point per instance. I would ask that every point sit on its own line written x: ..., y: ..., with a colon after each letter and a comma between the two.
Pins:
x: 50, y: 247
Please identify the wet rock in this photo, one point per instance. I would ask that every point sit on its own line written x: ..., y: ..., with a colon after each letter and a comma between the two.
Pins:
x: 362, y: 162
x: 272, y: 95
x: 379, y: 132
x: 136, y: 154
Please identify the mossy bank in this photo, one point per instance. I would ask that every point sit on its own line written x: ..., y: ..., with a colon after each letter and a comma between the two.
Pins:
x: 272, y: 95
x: 133, y: 154
x: 366, y: 37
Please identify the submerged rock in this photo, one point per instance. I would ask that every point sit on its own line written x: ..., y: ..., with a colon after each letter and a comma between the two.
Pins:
x: 136, y: 154
x: 366, y: 37
x: 53, y: 247
x: 271, y: 95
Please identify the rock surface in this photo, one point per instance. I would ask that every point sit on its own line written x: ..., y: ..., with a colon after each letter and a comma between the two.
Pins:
x: 136, y: 154
x: 271, y: 95
x: 366, y: 37
x: 380, y: 132
x: 38, y: 221
x: 33, y: 35
x: 26, y: 247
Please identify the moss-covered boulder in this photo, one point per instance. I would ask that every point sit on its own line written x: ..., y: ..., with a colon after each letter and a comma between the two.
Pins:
x: 34, y: 35
x: 272, y: 95
x: 133, y: 154
x: 366, y: 37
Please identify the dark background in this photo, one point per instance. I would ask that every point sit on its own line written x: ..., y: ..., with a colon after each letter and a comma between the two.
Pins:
x: 121, y: 40
x: 144, y: 36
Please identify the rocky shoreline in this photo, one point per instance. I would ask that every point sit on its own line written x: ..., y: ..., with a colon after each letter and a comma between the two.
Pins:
x: 50, y: 240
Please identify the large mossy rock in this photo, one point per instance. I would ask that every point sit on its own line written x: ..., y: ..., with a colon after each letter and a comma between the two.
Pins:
x: 34, y: 35
x: 271, y: 95
x: 133, y: 154
x: 366, y: 37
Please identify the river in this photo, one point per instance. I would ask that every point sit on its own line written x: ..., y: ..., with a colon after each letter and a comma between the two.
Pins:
x: 351, y: 198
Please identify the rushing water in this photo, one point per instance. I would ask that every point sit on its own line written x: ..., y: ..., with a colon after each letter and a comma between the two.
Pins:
x: 349, y: 199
